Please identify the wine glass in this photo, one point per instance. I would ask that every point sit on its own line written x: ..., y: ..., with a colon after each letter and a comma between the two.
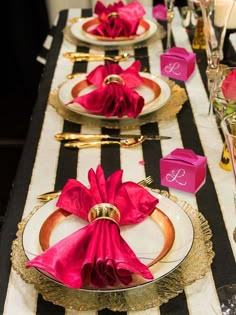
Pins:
x: 215, y: 15
x: 227, y: 293
x: 223, y: 98
x: 170, y: 15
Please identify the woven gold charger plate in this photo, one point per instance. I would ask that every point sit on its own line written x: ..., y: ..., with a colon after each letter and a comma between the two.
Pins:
x: 194, y: 267
x: 169, y: 110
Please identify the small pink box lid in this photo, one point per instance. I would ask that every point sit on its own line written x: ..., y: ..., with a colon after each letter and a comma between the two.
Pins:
x: 180, y: 52
x: 186, y: 156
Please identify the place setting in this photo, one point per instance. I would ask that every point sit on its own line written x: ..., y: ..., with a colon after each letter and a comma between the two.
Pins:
x: 113, y: 26
x: 175, y: 250
x: 132, y: 97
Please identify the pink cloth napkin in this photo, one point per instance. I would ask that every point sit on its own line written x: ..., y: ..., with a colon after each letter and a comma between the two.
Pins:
x: 124, y: 24
x: 97, y: 255
x: 113, y: 99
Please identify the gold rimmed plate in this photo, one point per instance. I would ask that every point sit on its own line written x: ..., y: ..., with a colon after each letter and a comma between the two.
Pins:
x: 89, y: 25
x: 155, y: 91
x: 79, y: 30
x: 167, y: 237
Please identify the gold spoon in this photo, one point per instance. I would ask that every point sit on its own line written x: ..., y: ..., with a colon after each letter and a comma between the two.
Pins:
x: 45, y: 197
x: 124, y: 143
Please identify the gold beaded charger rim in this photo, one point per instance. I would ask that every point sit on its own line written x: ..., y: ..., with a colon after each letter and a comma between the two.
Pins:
x: 194, y: 267
x: 169, y: 110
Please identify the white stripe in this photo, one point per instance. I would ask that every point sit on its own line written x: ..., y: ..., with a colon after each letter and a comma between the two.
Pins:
x: 201, y: 295
x: 23, y: 295
x: 48, y: 42
x: 41, y: 60
x: 232, y: 38
x: 88, y: 158
x: 150, y: 311
x: 73, y: 312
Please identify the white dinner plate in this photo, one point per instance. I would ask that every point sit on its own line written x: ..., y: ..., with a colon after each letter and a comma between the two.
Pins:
x: 148, y: 246
x: 153, y: 101
x: 78, y: 32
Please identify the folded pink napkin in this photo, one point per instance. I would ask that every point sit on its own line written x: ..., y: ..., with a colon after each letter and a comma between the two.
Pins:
x: 113, y: 97
x: 97, y: 255
x: 117, y: 19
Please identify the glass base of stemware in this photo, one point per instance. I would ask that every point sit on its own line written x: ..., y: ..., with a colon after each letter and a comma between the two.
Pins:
x: 227, y: 300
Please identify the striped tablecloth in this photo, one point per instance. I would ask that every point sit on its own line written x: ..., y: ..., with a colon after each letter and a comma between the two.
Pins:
x: 46, y: 165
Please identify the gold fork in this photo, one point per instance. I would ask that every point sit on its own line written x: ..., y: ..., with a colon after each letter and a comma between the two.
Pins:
x: 45, y: 197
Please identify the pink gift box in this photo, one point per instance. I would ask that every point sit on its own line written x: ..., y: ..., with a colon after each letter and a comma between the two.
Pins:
x: 182, y: 169
x: 178, y: 63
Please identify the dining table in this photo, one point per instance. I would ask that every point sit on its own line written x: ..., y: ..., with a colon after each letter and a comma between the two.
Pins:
x: 189, y: 286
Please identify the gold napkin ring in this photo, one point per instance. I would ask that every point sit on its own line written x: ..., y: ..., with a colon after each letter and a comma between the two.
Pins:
x: 113, y: 78
x: 113, y: 15
x: 104, y: 211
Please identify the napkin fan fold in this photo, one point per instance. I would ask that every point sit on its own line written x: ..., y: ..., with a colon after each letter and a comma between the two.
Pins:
x: 97, y: 255
x: 114, y: 94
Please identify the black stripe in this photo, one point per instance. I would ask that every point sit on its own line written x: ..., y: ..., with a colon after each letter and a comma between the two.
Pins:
x: 87, y: 12
x: 109, y: 312
x: 53, y: 29
x: 152, y: 154
x: 142, y: 55
x: 44, y: 52
x: 67, y: 170
x: 228, y: 50
x: 23, y: 177
x: 45, y: 307
x: 175, y: 306
x: 110, y: 154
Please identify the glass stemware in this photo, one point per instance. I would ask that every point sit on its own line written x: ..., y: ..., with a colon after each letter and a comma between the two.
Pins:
x: 223, y: 99
x: 215, y: 15
x: 227, y: 293
x: 228, y: 125
x: 170, y: 15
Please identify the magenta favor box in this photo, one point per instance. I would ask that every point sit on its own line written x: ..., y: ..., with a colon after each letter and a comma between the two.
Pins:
x: 182, y: 169
x: 178, y: 63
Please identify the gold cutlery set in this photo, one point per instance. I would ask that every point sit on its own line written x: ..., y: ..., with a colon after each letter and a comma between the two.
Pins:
x: 80, y: 141
x: 80, y: 56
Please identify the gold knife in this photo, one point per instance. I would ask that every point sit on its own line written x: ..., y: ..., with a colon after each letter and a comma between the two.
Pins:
x: 65, y: 136
x: 80, y: 56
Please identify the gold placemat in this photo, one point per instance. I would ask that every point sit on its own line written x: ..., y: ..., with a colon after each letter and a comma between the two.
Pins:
x: 169, y: 110
x: 158, y: 35
x: 194, y: 267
